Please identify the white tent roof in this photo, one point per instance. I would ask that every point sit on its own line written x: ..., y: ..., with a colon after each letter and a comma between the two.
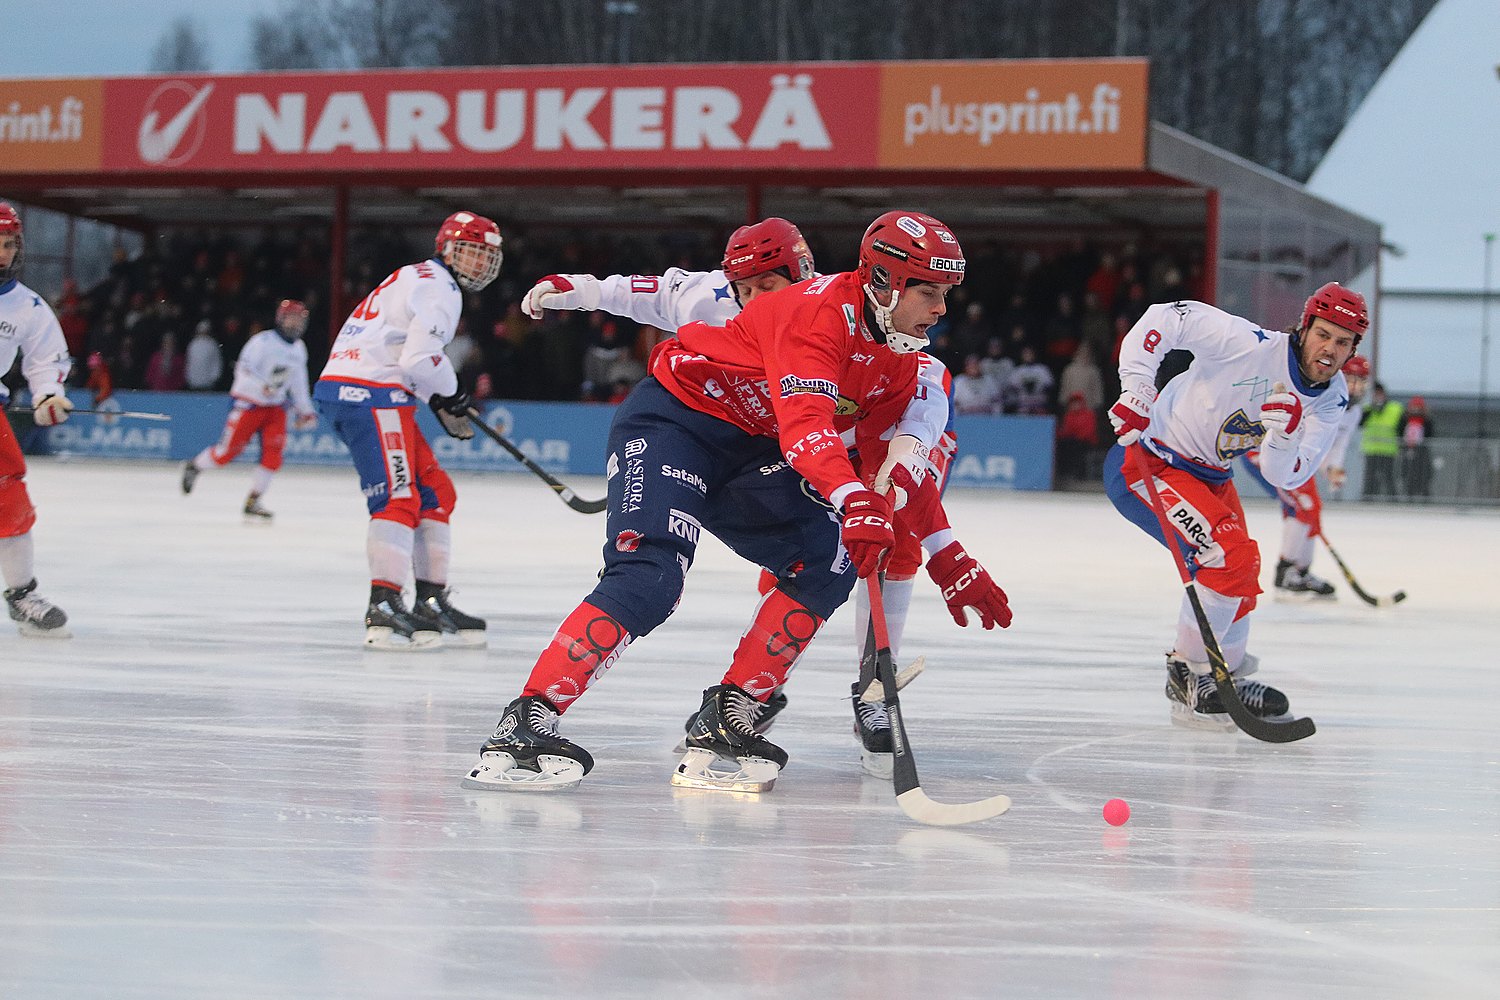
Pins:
x: 1422, y: 153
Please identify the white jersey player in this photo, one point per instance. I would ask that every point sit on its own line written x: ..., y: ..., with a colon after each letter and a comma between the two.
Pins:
x: 29, y: 327
x: 387, y: 357
x: 764, y: 257
x: 270, y: 372
x: 1248, y: 388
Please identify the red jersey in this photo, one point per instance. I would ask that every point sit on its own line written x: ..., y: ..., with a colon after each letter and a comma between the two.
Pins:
x: 798, y: 365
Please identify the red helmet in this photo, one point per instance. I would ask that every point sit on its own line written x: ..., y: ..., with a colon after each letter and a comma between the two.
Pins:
x: 1358, y: 366
x: 10, y: 225
x: 291, y: 317
x: 901, y: 247
x: 769, y: 245
x: 470, y: 245
x: 1339, y: 306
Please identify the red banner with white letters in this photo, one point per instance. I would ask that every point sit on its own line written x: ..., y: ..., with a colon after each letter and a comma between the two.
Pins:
x: 1081, y: 114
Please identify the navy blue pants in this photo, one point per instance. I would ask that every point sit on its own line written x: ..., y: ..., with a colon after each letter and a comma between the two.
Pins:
x: 674, y: 472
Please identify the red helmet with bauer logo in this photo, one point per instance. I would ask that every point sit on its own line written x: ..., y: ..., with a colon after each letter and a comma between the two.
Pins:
x: 769, y: 245
x: 902, y: 247
x: 1340, y: 306
x: 10, y: 225
x: 470, y: 245
x: 291, y: 317
x: 1358, y: 366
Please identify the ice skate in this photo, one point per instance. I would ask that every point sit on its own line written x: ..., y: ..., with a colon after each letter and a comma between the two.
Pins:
x: 526, y: 755
x: 189, y: 476
x: 254, y: 512
x: 392, y: 628
x: 458, y: 628
x: 1195, y: 697
x: 34, y: 615
x: 724, y: 751
x: 872, y: 727
x: 1295, y: 583
x: 772, y: 707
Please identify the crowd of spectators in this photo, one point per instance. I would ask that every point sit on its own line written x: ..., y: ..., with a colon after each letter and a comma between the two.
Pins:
x: 1032, y: 330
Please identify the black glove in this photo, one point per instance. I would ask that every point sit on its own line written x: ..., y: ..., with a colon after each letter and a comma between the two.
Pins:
x: 453, y: 413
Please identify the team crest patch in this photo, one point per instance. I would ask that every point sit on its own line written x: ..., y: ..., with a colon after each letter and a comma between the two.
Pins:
x: 792, y: 385
x: 628, y: 540
x: 1239, y: 434
x: 845, y: 407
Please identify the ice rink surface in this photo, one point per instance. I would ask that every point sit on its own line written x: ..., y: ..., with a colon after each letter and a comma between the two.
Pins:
x: 212, y: 793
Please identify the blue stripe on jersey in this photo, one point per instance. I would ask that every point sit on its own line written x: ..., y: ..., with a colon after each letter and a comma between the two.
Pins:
x: 1207, y: 473
x: 333, y: 390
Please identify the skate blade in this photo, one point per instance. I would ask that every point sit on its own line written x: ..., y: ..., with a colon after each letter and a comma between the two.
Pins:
x: 383, y: 639
x: 497, y: 772
x: 470, y: 639
x: 256, y: 519
x: 35, y: 632
x: 1201, y: 721
x: 877, y: 765
x: 707, y: 770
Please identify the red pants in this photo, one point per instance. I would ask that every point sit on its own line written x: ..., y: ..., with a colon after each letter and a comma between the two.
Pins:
x: 245, y: 422
x: 17, y: 515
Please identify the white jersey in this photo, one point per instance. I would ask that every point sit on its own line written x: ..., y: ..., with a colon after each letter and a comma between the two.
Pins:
x: 1353, y: 413
x: 1209, y: 414
x: 678, y: 297
x: 270, y: 369
x: 392, y: 343
x: 28, y: 326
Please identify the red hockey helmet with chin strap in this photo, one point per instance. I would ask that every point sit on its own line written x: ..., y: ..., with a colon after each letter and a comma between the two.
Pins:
x: 470, y: 245
x: 10, y: 225
x: 291, y: 318
x: 769, y: 245
x: 899, y: 248
x: 1340, y: 306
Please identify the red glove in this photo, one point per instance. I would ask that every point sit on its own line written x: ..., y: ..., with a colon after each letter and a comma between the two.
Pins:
x: 965, y: 584
x: 1131, y: 415
x: 866, y: 530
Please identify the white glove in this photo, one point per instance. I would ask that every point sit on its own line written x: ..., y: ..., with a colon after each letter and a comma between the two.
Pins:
x: 50, y: 410
x: 562, y: 291
x: 905, y: 450
x: 1131, y: 414
x: 1281, y: 414
x: 1337, y: 478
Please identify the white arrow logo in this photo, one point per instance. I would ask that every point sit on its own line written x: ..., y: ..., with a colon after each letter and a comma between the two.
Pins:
x: 156, y: 145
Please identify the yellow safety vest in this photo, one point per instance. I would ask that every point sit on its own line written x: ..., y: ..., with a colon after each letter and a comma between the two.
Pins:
x: 1378, y: 435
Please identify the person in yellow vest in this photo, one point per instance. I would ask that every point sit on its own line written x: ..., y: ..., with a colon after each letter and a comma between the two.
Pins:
x: 1380, y: 443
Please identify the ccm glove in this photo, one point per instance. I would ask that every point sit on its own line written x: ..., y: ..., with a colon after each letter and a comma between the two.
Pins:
x: 562, y: 291
x: 50, y: 410
x: 453, y: 413
x: 1281, y: 414
x: 1131, y: 415
x: 866, y: 530
x: 965, y: 584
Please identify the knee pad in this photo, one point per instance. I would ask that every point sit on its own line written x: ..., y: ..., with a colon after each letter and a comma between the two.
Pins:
x: 1239, y: 576
x: 641, y: 586
x: 906, y: 557
x: 17, y: 515
x: 272, y: 444
x: 438, y: 494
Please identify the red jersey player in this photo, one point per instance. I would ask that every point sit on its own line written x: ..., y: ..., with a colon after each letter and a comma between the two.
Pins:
x: 738, y: 431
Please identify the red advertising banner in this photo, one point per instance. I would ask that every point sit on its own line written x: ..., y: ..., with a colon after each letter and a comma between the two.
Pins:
x: 577, y: 118
x: 979, y: 115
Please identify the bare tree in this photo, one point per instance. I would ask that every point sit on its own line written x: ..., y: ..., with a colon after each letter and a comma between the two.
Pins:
x: 301, y: 35
x: 181, y: 48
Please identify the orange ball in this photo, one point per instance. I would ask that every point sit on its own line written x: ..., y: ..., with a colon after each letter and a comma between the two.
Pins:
x: 1116, y: 812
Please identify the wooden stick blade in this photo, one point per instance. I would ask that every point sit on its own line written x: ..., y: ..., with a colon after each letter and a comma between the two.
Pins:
x: 919, y: 807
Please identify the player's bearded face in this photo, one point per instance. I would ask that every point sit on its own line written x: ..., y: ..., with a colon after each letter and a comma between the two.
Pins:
x: 1324, y: 350
x: 8, y: 246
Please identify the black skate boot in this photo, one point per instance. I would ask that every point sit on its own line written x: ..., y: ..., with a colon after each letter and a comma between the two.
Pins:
x: 526, y: 755
x: 773, y: 707
x: 189, y: 476
x: 254, y: 512
x: 458, y: 628
x: 1195, y: 697
x: 389, y: 626
x: 724, y: 751
x: 34, y: 615
x: 872, y: 726
x: 1296, y: 582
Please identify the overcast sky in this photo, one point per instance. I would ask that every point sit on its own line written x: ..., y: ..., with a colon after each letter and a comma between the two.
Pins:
x: 116, y: 37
